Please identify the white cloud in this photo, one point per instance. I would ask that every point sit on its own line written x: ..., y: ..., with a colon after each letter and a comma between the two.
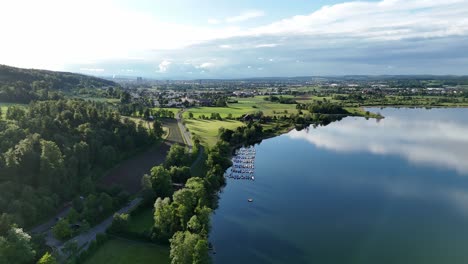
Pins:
x: 267, y: 45
x: 164, y: 66
x: 142, y: 35
x: 206, y: 65
x: 245, y: 16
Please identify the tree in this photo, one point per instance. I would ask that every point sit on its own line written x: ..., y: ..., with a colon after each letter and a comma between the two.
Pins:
x: 73, y: 215
x: 51, y: 165
x: 47, y: 259
x: 177, y: 156
x: 185, y: 203
x: 161, y: 181
x: 190, y: 115
x: 16, y: 247
x: 120, y: 223
x: 125, y: 98
x: 158, y: 130
x: 189, y: 248
x: 70, y: 248
x: 180, y: 174
x: 164, y: 219
x: 62, y: 230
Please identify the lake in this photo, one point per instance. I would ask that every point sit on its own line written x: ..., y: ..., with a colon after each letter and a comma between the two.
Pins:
x: 355, y: 191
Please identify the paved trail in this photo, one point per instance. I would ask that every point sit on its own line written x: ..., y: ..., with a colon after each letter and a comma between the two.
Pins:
x: 183, y: 130
x: 83, y: 240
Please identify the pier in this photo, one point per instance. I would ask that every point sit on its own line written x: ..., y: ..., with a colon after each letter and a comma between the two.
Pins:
x: 243, y: 165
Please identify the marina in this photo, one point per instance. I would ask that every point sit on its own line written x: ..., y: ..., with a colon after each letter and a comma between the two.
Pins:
x: 243, y: 165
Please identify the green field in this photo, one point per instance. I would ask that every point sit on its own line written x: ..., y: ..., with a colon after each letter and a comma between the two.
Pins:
x: 207, y: 130
x: 122, y: 252
x: 141, y: 221
x: 244, y: 106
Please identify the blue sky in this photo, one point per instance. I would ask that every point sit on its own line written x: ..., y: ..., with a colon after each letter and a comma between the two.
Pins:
x: 181, y: 39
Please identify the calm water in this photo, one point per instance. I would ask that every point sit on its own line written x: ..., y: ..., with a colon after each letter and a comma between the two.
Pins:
x: 356, y: 191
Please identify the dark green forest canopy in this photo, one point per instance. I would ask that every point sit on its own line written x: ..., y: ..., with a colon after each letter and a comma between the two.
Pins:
x: 25, y: 85
x: 56, y: 149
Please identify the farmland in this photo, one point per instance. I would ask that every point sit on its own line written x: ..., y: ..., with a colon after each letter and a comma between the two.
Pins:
x: 128, y: 174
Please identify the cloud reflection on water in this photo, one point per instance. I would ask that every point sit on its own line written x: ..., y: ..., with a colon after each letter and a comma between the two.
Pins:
x: 430, y: 142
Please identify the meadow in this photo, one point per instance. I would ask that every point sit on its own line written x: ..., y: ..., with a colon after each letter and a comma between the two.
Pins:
x: 207, y: 130
x: 244, y: 106
x: 141, y: 221
x: 118, y: 251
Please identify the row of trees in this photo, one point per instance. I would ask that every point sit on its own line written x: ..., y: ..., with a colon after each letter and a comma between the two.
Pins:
x: 242, y: 135
x: 182, y: 218
x: 322, y: 107
x: 280, y: 99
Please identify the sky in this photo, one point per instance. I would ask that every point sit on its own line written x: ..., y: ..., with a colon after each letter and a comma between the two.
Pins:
x: 187, y: 39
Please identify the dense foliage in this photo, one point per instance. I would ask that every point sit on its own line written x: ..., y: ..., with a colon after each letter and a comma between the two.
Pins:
x: 53, y: 151
x: 47, y: 85
x: 184, y: 220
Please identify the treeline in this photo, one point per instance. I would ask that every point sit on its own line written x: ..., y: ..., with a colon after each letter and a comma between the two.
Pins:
x: 182, y: 217
x: 242, y: 135
x: 138, y: 110
x: 280, y: 99
x: 323, y: 107
x: 45, y: 85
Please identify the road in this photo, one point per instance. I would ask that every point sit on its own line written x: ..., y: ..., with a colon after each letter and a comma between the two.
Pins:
x: 83, y: 240
x: 183, y: 130
x: 49, y: 224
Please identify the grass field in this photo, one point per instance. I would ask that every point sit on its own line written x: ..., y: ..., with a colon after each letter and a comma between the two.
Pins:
x: 244, y: 106
x: 141, y: 221
x: 122, y: 252
x: 207, y: 130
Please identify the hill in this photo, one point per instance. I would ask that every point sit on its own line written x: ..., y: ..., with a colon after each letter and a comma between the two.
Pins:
x: 24, y: 85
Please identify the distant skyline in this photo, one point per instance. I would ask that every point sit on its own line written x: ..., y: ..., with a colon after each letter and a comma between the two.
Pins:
x: 182, y: 39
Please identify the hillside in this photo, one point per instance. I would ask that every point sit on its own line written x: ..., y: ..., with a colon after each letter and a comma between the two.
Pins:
x: 24, y: 85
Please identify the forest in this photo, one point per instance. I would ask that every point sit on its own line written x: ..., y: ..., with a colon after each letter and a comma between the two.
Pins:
x: 25, y: 85
x: 51, y: 153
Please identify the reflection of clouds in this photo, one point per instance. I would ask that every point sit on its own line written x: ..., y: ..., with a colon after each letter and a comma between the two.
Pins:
x: 440, y: 143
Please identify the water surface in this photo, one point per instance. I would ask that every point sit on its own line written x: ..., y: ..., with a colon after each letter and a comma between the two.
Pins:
x: 356, y: 191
